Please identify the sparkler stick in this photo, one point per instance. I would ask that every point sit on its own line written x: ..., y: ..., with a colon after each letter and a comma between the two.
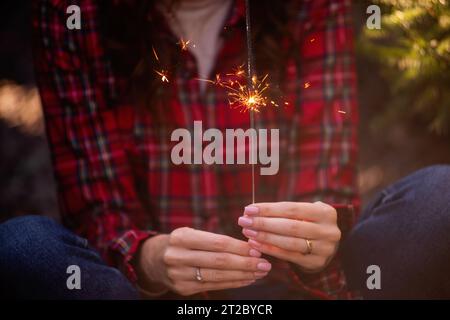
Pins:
x: 250, y: 83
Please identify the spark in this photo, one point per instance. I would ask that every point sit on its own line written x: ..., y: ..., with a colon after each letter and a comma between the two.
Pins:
x: 307, y: 85
x: 155, y: 54
x: 163, y: 75
x: 238, y: 72
x: 312, y: 40
x: 217, y: 80
x: 342, y: 111
x: 184, y: 44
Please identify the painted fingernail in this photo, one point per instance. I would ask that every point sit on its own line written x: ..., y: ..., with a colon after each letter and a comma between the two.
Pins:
x: 254, y: 253
x: 264, y: 266
x: 254, y: 243
x: 249, y: 233
x: 260, y: 274
x: 251, y: 210
x: 245, y: 222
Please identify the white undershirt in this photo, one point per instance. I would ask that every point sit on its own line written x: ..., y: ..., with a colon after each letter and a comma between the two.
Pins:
x: 200, y: 22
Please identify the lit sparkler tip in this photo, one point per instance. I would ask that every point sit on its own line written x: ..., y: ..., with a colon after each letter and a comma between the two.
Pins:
x: 251, y: 100
x: 243, y: 96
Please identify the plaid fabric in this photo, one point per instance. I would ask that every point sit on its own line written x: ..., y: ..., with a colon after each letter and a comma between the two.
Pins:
x: 117, y: 185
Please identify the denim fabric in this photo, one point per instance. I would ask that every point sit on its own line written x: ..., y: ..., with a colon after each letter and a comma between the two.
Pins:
x: 35, y: 253
x: 406, y: 232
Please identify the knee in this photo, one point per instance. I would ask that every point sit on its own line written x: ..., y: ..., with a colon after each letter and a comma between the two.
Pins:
x: 436, y: 177
x: 425, y: 189
x: 411, y: 219
x: 432, y: 185
x: 30, y: 227
x: 433, y: 193
x: 21, y: 237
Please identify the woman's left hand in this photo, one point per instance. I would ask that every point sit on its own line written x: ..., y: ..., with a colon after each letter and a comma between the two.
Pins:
x: 302, y: 233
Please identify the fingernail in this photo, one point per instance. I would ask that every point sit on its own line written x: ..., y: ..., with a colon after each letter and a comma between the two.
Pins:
x: 254, y: 243
x: 249, y: 233
x: 248, y: 282
x: 251, y: 210
x: 260, y: 274
x: 245, y: 222
x: 264, y: 266
x: 254, y: 253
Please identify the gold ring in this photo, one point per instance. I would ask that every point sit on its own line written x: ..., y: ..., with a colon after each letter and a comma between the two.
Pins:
x: 198, y: 275
x: 308, y: 246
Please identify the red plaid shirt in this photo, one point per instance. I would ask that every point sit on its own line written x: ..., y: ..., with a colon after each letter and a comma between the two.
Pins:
x: 116, y: 182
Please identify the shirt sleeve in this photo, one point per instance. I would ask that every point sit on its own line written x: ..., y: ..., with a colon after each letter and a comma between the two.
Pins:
x: 322, y: 150
x: 89, y: 139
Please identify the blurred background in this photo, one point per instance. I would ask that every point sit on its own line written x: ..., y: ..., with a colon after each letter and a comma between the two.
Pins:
x: 404, y: 94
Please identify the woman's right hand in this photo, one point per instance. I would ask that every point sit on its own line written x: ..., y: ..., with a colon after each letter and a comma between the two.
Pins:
x: 171, y: 261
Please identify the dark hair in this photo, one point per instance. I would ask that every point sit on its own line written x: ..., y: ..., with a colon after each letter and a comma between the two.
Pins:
x: 130, y: 33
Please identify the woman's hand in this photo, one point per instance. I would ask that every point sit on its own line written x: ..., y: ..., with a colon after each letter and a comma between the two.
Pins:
x: 303, y: 233
x: 171, y: 261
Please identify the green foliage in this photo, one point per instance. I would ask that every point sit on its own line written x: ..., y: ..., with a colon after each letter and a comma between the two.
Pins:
x: 413, y: 50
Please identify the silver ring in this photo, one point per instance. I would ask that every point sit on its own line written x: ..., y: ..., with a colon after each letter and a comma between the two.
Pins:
x: 198, y: 275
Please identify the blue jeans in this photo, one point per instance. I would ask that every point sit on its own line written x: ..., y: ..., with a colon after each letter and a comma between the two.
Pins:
x: 36, y: 251
x: 405, y: 231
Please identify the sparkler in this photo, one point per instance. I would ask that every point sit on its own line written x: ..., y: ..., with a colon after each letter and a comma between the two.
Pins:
x: 251, y: 98
x: 248, y: 97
